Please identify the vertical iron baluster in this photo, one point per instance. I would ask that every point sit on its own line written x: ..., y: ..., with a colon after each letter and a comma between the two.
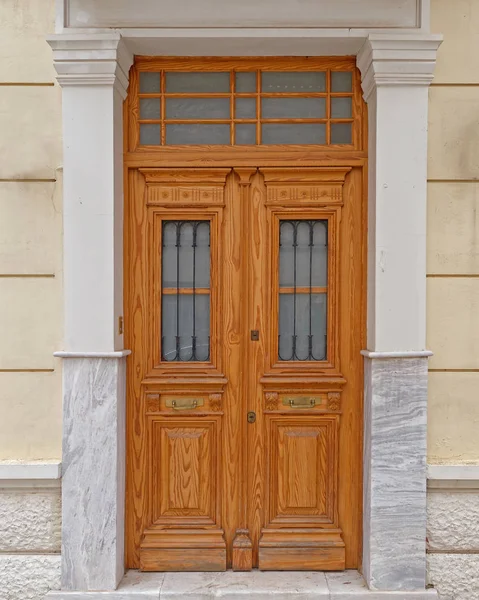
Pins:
x: 295, y: 245
x: 178, y: 246
x: 311, y: 244
x: 195, y: 225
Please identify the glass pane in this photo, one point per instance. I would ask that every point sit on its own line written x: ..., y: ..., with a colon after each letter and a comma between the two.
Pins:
x: 186, y: 270
x: 203, y: 255
x: 293, y: 108
x: 149, y: 83
x: 341, y: 81
x: 189, y: 316
x: 198, y: 108
x: 245, y: 134
x: 293, y: 81
x: 341, y: 133
x: 341, y: 108
x: 298, y: 133
x: 198, y: 134
x: 286, y: 253
x: 149, y: 134
x: 245, y: 108
x: 170, y: 254
x: 245, y: 83
x: 303, y: 253
x: 197, y: 82
x: 149, y: 108
x: 302, y: 327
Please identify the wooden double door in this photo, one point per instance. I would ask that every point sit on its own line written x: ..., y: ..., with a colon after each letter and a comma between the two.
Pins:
x: 245, y: 317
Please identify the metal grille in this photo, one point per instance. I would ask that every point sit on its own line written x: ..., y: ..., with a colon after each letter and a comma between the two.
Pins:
x: 303, y: 290
x: 185, y: 291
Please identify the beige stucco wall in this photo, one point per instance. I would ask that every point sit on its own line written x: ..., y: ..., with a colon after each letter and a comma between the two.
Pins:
x: 453, y: 236
x: 30, y: 234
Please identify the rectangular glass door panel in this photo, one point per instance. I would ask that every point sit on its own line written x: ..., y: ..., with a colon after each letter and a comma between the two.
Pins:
x: 303, y: 280
x: 185, y: 299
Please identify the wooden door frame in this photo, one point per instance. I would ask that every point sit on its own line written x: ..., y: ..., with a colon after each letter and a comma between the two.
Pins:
x: 286, y: 157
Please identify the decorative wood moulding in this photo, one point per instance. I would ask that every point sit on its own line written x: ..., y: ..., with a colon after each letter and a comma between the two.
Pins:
x: 185, y: 187
x: 400, y: 59
x: 305, y: 186
x: 91, y: 59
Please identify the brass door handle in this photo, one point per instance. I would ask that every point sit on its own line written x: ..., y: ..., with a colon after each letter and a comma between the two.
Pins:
x: 301, y: 401
x: 184, y: 403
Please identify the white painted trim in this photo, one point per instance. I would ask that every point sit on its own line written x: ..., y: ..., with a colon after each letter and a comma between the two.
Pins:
x: 399, y: 354
x: 453, y: 477
x: 118, y: 354
x: 34, y: 474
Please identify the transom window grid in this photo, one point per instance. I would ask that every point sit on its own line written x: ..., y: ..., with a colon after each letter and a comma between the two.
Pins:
x: 337, y: 126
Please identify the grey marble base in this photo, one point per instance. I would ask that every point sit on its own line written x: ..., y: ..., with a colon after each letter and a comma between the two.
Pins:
x: 93, y: 482
x: 285, y: 585
x: 395, y: 419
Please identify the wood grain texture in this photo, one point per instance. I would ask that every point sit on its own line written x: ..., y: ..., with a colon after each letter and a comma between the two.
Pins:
x: 206, y: 490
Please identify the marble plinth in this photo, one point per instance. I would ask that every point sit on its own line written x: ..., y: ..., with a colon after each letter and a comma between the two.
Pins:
x: 93, y: 483
x: 394, y: 532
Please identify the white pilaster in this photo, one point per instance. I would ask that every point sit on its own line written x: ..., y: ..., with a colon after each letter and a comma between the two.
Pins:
x: 93, y: 72
x: 396, y: 73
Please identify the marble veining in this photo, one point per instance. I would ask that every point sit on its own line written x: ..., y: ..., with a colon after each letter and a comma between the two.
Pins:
x: 93, y: 488
x: 395, y: 473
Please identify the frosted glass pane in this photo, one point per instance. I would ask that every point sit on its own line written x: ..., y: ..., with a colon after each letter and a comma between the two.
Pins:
x: 245, y: 134
x: 302, y: 321
x: 286, y: 255
x: 150, y: 134
x: 245, y: 83
x: 341, y: 81
x: 169, y: 260
x: 300, y: 259
x: 193, y: 333
x: 302, y: 133
x: 198, y: 134
x: 341, y: 133
x: 203, y: 255
x: 293, y: 81
x: 198, y: 108
x: 149, y: 108
x: 320, y: 254
x: 341, y: 108
x: 200, y: 82
x: 245, y: 108
x: 150, y: 83
x: 293, y: 108
x: 186, y: 254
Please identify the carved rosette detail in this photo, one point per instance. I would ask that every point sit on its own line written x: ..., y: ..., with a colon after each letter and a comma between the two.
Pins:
x: 271, y: 400
x: 185, y: 195
x: 334, y: 400
x: 152, y: 402
x: 215, y: 402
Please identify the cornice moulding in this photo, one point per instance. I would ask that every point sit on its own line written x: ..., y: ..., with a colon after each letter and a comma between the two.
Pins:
x: 397, y: 60
x: 91, y: 59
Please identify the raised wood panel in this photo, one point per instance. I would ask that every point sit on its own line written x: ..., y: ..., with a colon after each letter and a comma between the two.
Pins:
x: 302, y: 465
x: 184, y: 470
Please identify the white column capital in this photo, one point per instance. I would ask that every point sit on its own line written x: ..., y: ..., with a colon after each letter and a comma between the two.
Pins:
x: 91, y: 59
x: 397, y: 60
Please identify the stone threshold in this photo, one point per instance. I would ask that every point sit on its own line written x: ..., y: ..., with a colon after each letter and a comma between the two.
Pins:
x: 257, y: 585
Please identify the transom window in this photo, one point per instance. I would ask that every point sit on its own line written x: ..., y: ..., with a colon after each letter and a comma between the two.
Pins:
x: 246, y: 107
